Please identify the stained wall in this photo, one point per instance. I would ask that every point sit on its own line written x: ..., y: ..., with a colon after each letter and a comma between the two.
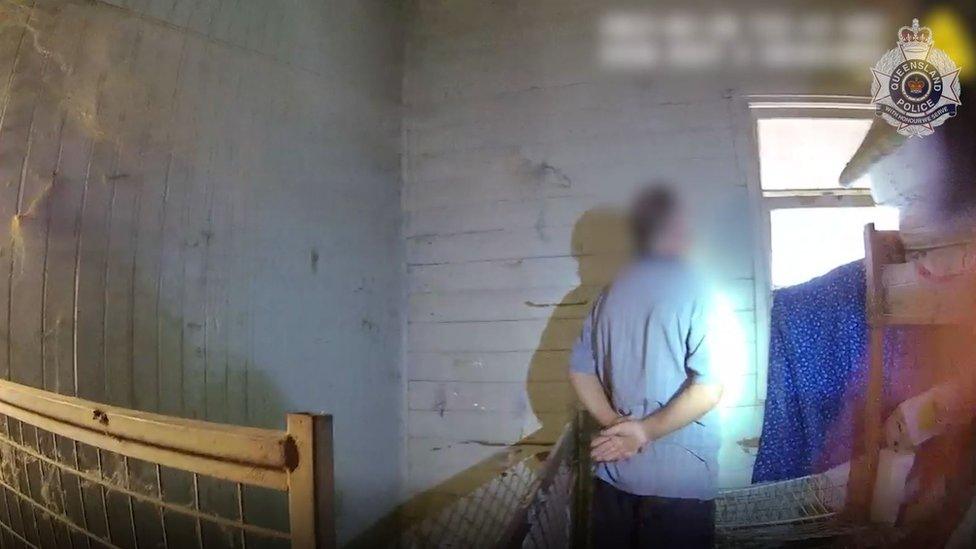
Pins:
x: 200, y: 215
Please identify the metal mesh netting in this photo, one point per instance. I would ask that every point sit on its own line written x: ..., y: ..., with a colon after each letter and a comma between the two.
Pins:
x: 529, y: 504
x: 551, y: 511
x: 799, y: 500
x: 533, y: 504
x: 57, y: 492
x: 803, y: 510
x: 480, y: 518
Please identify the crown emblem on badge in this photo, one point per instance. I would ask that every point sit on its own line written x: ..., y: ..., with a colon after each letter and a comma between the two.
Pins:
x: 915, y: 40
x: 915, y: 36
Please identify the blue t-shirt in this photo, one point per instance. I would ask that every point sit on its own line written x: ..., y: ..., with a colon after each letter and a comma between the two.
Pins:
x: 646, y: 337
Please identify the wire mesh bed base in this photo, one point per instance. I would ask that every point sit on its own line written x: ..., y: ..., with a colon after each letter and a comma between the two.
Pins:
x: 530, y: 504
x: 538, y: 502
x: 803, y: 511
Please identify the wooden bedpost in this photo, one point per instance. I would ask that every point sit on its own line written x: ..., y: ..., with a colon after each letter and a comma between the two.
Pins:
x: 311, y: 483
x: 880, y: 248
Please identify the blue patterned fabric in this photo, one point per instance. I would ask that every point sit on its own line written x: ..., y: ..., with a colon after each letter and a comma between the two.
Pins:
x: 817, y: 370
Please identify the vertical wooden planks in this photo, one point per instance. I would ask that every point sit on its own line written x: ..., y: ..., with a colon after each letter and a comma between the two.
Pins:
x: 244, y: 165
x: 177, y: 241
x: 163, y: 53
x: 169, y: 294
x: 169, y: 301
x: 12, y: 43
x: 197, y: 231
x: 228, y: 74
x: 94, y: 253
x: 59, y: 203
x: 90, y: 253
x: 125, y: 180
x: 44, y: 76
x: 267, y: 107
x: 141, y: 189
x: 64, y: 215
x: 13, y: 122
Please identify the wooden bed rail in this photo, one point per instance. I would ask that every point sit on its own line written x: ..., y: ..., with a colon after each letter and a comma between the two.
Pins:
x: 297, y: 461
x: 919, y: 278
x: 880, y: 248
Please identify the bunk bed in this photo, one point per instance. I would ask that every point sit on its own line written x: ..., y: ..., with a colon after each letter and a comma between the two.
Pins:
x: 921, y: 278
x: 917, y: 278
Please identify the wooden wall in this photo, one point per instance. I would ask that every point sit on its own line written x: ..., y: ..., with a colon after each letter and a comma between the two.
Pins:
x: 515, y: 143
x: 199, y: 214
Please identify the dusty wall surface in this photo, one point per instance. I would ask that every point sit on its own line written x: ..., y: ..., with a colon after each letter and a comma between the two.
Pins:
x: 200, y: 215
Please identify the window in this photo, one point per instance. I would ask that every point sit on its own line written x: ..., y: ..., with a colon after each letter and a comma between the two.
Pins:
x: 809, y: 242
x: 813, y: 224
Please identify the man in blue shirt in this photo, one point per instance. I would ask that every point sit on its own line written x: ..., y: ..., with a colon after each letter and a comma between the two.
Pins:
x: 643, y: 367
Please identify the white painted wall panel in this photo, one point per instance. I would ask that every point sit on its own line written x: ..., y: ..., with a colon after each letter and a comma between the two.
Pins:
x: 513, y: 366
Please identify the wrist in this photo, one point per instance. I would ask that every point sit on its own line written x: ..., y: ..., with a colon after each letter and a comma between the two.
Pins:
x: 650, y: 426
x: 606, y: 420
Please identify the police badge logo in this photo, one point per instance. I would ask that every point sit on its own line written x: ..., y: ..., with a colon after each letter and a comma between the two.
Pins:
x: 916, y: 86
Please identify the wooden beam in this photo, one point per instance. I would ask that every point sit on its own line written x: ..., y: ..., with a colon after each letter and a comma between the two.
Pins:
x: 275, y: 479
x: 880, y: 248
x: 253, y: 447
x: 311, y: 483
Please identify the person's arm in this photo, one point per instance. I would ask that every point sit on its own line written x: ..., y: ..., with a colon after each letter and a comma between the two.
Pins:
x: 701, y: 392
x: 626, y: 438
x: 583, y: 374
x: 590, y: 392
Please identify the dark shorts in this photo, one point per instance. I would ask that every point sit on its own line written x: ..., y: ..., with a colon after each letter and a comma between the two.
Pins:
x: 620, y: 519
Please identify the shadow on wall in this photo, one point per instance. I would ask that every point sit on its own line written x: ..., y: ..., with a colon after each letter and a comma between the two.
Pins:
x: 601, y: 245
x: 477, y: 504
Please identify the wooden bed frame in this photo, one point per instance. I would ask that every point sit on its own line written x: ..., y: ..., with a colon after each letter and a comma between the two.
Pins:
x: 902, y: 291
x: 297, y: 461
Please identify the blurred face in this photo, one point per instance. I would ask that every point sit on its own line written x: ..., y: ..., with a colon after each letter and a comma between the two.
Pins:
x: 675, y: 239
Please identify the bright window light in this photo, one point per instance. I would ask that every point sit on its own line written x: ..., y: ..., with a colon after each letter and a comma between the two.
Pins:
x: 808, y: 153
x: 809, y: 242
